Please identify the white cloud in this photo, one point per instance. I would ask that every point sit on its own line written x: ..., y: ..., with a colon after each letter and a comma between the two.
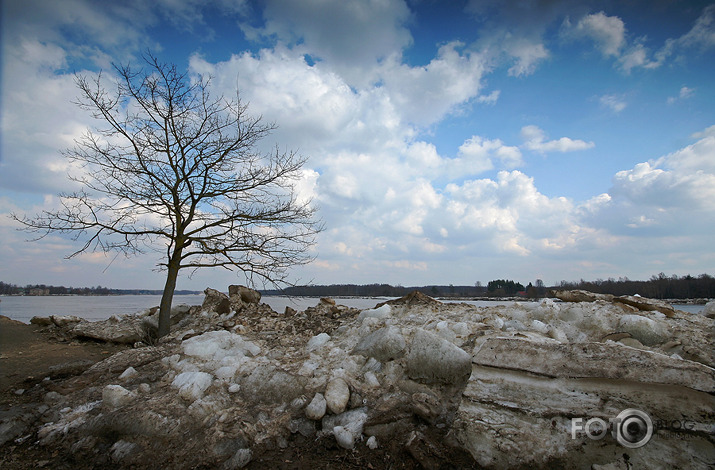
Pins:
x: 682, y: 179
x: 424, y: 95
x: 188, y: 15
x: 480, y: 154
x: 640, y: 221
x: 684, y: 94
x: 102, y: 31
x: 491, y: 98
x: 516, y: 34
x: 376, y: 186
x: 38, y: 119
x: 398, y: 216
x: 314, y: 107
x: 697, y: 159
x: 22, y: 262
x: 658, y: 212
x: 475, y: 156
x: 424, y: 155
x: 535, y: 139
x: 615, y: 103
x: 305, y: 186
x: 371, y: 174
x: 667, y: 196
x: 709, y: 132
x: 527, y: 55
x: 607, y: 31
x: 352, y: 37
x: 702, y: 34
x: 508, y: 214
x: 700, y: 37
x: 637, y: 56
x: 610, y: 36
x: 407, y: 265
x: 279, y: 82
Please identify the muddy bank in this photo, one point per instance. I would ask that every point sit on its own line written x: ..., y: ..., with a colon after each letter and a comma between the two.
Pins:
x: 29, y: 353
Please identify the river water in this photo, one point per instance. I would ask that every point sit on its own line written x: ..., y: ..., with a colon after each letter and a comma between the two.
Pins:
x: 94, y: 308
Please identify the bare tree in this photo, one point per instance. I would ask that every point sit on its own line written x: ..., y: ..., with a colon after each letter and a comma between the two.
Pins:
x: 177, y: 170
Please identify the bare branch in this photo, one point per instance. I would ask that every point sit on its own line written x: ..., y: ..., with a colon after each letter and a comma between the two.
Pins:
x: 174, y: 168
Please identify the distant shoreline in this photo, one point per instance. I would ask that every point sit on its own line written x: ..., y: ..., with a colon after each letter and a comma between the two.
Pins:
x: 678, y: 289
x: 692, y: 301
x: 111, y: 294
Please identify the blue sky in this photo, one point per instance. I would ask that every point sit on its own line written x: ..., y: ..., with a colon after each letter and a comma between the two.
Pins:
x: 448, y: 142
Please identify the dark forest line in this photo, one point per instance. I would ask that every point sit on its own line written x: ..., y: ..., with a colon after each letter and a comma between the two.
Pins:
x: 659, y: 286
x: 43, y: 289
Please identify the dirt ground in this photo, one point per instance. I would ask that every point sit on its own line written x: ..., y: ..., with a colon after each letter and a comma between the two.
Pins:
x: 35, y: 360
x: 29, y: 353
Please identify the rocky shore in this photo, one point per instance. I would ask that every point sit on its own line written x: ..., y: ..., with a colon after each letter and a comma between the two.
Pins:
x: 411, y: 383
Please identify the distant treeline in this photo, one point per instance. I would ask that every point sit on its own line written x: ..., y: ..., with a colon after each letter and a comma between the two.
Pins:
x: 42, y: 289
x: 659, y: 286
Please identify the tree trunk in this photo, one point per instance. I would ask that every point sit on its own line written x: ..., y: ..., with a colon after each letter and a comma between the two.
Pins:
x: 167, y: 296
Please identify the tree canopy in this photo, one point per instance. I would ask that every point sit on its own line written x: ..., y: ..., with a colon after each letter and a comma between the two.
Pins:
x: 175, y: 169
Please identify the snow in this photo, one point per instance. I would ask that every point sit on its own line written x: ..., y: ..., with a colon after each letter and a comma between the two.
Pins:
x: 347, y: 426
x: 309, y: 367
x: 344, y: 437
x: 384, y: 344
x: 379, y: 349
x: 337, y: 395
x: 396, y: 358
x: 461, y: 329
x: 316, y: 408
x: 435, y: 359
x: 539, y: 327
x: 215, y: 354
x: 371, y: 379
x: 379, y: 313
x: 215, y: 345
x: 192, y: 385
x: 114, y: 396
x: 226, y: 372
x: 317, y: 342
x: 645, y: 330
x: 72, y: 418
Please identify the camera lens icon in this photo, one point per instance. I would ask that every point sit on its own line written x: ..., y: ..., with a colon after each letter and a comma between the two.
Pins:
x: 634, y: 428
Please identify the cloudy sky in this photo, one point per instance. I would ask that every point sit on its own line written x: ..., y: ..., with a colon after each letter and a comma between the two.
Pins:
x: 448, y: 142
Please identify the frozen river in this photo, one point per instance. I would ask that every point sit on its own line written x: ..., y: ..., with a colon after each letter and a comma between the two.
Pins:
x: 94, y: 308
